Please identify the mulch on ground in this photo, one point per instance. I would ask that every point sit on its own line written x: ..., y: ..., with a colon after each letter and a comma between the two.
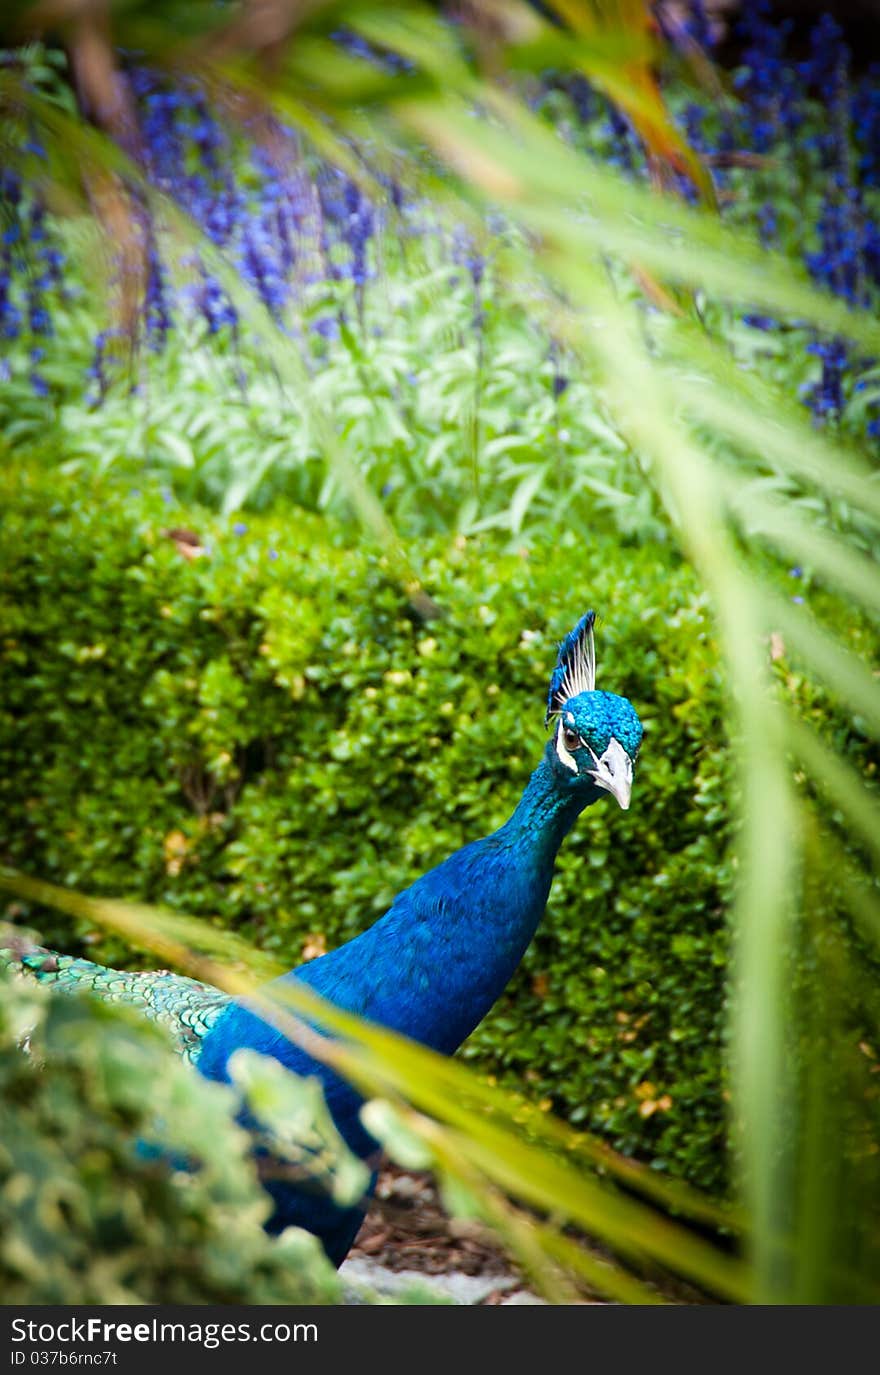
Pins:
x: 408, y: 1229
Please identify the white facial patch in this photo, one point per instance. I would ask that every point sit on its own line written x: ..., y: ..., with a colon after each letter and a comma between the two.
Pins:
x: 567, y: 759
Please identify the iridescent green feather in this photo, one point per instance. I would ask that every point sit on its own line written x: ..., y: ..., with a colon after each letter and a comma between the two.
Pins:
x: 185, y: 1008
x: 315, y: 1157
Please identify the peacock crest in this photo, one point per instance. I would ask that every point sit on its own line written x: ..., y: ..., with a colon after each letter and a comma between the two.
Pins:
x: 575, y: 670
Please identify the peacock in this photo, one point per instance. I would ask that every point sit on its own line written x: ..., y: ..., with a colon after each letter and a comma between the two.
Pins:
x: 436, y: 962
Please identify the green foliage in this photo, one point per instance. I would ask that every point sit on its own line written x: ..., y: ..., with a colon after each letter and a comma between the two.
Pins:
x: 412, y: 389
x: 90, y: 1211
x: 294, y: 1113
x: 264, y: 735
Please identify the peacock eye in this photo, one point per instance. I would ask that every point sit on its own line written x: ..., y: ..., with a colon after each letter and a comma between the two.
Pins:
x: 571, y: 739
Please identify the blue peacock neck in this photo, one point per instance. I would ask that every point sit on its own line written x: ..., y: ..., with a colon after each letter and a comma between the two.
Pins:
x: 469, y: 920
x: 547, y: 810
x: 440, y: 957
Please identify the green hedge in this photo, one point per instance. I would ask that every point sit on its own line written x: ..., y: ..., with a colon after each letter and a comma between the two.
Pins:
x: 266, y: 736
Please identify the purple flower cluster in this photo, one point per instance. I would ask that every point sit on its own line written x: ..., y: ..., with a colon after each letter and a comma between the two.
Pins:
x: 760, y: 80
x: 816, y: 121
x: 31, y: 273
x: 559, y: 384
x: 839, y: 263
x: 865, y: 113
x: 358, y: 230
x: 686, y: 26
x: 288, y: 225
x: 281, y: 225
x: 798, y: 125
x: 10, y: 197
x: 826, y: 397
x: 97, y: 371
x: 623, y: 141
x: 156, y: 312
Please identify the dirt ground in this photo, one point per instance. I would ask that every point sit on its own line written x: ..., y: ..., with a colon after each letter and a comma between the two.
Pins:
x: 407, y: 1229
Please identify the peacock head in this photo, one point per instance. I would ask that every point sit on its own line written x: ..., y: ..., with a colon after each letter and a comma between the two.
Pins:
x: 597, y: 734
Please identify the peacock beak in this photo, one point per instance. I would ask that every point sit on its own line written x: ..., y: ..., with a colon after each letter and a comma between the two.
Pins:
x: 614, y: 773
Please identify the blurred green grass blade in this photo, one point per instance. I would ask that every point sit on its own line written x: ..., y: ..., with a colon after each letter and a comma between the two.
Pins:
x: 816, y: 1202
x: 862, y: 901
x: 798, y: 534
x: 419, y: 36
x: 532, y: 1242
x: 594, y: 1270
x: 768, y: 843
x: 540, y: 180
x: 842, y: 672
x: 834, y: 1155
x: 171, y: 935
x: 770, y: 427
x: 286, y: 104
x: 552, y: 1186
x: 839, y: 783
x: 769, y: 849
x: 618, y: 57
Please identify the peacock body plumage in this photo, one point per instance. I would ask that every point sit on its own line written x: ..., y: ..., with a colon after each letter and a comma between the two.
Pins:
x: 186, y: 1008
x: 433, y: 966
